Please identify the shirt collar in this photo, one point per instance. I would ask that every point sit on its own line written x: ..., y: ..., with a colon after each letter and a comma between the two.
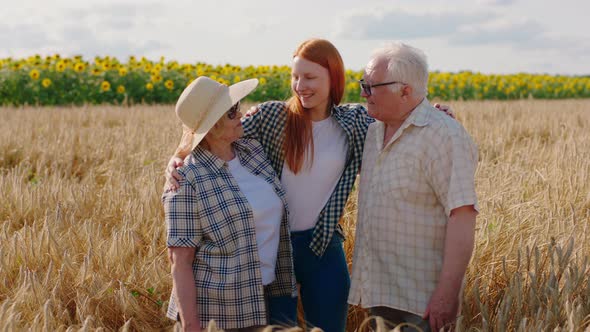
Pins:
x: 205, y: 158
x: 335, y: 111
x: 420, y: 116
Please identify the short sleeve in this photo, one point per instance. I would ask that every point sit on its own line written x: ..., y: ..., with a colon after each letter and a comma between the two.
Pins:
x: 452, y: 169
x: 182, y: 225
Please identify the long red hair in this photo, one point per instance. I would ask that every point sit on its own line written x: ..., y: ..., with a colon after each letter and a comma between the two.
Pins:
x: 299, y: 137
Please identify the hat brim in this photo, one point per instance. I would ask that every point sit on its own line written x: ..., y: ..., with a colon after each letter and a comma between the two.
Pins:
x: 221, y: 105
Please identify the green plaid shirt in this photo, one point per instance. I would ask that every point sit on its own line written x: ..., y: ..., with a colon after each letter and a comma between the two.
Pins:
x: 268, y: 127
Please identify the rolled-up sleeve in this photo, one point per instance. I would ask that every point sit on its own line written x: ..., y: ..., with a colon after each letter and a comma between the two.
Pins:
x: 180, y: 209
x: 452, y: 171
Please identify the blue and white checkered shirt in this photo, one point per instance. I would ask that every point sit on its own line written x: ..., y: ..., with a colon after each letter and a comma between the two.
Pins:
x: 210, y: 212
x: 268, y: 127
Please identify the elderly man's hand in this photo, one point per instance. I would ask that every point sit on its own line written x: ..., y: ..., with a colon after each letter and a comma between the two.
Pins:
x: 442, y: 309
x: 445, y: 108
x: 172, y: 176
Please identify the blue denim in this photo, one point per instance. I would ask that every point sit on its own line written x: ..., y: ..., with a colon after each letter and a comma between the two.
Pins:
x: 324, y: 285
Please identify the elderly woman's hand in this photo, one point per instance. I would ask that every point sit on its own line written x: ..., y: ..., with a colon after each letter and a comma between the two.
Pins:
x: 171, y: 174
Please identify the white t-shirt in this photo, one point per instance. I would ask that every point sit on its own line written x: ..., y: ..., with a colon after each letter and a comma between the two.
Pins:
x: 267, y: 208
x: 310, y: 189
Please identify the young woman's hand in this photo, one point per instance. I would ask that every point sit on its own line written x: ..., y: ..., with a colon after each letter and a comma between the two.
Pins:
x: 445, y: 108
x: 171, y: 174
x: 253, y: 110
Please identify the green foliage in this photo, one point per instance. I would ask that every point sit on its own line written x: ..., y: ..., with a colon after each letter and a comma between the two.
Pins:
x: 54, y: 80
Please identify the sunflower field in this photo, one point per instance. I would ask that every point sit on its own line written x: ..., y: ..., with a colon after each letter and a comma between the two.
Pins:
x: 57, y: 80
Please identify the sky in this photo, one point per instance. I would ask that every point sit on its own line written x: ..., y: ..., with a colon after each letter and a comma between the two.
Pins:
x: 487, y: 36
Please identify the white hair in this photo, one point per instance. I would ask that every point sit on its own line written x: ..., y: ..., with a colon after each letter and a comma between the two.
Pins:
x: 406, y: 64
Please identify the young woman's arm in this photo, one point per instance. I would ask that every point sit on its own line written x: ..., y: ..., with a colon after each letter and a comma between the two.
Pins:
x: 177, y: 160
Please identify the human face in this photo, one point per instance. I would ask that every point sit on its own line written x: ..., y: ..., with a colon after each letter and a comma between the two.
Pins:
x: 233, y: 111
x: 229, y: 127
x: 384, y: 104
x: 368, y: 88
x: 311, y: 83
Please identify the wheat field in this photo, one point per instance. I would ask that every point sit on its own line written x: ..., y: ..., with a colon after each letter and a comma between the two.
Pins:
x: 82, y: 238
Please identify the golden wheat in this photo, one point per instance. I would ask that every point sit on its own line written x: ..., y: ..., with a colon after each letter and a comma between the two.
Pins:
x: 82, y: 239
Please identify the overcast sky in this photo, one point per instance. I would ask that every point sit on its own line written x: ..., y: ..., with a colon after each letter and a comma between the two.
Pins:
x: 489, y: 36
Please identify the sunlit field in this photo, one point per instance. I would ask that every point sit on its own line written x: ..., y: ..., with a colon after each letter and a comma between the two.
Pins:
x: 82, y: 237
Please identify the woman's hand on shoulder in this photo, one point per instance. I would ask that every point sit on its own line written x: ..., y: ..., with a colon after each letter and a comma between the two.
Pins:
x: 445, y: 108
x: 172, y: 175
x: 253, y: 110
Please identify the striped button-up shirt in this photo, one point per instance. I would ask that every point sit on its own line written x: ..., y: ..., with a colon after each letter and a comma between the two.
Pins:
x: 210, y: 212
x: 268, y: 127
x: 408, y: 188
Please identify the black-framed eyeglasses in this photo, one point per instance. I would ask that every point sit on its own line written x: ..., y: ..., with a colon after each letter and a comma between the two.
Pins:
x: 366, y: 87
x: 233, y: 111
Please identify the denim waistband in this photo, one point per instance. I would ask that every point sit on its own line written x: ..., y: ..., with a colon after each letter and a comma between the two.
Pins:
x: 300, y: 234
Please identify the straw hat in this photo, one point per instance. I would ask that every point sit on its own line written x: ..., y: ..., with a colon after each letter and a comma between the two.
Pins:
x: 205, y: 101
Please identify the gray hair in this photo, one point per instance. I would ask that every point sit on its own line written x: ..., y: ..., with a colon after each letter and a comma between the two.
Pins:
x: 406, y: 64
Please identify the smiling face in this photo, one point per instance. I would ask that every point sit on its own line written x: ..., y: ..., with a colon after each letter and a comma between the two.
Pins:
x: 387, y: 103
x: 311, y: 83
x: 227, y: 130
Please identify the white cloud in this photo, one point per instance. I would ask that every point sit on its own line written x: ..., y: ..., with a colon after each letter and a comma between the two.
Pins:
x: 30, y: 36
x: 496, y: 2
x: 481, y: 35
x: 468, y: 29
x: 397, y: 23
x: 498, y: 31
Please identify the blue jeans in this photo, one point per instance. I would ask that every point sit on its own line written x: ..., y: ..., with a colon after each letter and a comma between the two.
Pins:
x: 324, y: 284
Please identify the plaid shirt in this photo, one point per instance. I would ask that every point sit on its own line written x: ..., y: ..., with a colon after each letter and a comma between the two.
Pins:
x: 210, y: 212
x: 268, y: 127
x: 408, y: 188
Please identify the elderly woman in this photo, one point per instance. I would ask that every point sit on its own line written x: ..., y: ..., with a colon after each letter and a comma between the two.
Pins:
x: 228, y: 235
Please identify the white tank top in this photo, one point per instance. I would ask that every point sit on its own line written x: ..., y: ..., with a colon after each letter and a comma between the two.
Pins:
x: 310, y: 189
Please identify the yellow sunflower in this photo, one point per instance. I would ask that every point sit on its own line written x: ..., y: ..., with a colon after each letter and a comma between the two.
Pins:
x: 149, y: 86
x: 34, y: 74
x: 105, y: 86
x: 61, y: 66
x: 79, y: 67
x: 122, y: 71
x: 169, y: 84
x: 156, y: 78
x: 121, y: 89
x: 46, y: 82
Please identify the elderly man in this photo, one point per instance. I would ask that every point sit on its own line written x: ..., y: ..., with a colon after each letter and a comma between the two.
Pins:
x: 417, y: 203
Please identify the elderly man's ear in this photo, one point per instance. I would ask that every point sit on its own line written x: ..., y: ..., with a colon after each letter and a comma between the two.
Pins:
x: 407, y: 91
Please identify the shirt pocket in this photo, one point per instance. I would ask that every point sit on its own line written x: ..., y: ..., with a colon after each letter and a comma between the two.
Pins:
x: 400, y: 172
